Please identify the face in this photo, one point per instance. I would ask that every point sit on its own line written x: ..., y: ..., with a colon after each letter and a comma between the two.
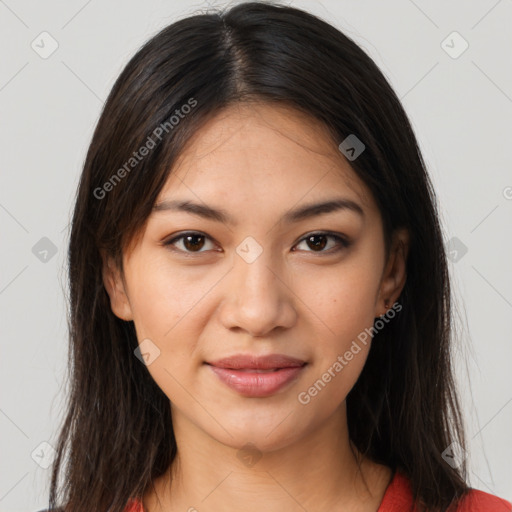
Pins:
x: 244, y: 272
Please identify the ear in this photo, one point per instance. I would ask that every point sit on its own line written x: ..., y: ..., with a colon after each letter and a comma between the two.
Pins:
x: 116, y: 289
x: 395, y: 273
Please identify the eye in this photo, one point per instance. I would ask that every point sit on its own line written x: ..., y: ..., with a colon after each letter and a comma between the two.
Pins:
x: 191, y: 242
x: 318, y: 241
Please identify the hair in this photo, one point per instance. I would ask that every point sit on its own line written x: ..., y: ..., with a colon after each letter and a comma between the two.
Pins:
x: 403, y: 411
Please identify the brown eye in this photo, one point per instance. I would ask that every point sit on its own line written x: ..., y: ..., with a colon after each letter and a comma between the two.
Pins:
x: 318, y: 241
x: 193, y: 242
x: 190, y: 242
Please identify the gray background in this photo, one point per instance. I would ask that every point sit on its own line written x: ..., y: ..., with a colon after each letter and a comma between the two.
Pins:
x: 460, y: 107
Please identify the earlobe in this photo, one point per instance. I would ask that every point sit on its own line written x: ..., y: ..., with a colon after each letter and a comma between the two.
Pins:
x: 115, y: 287
x: 395, y: 273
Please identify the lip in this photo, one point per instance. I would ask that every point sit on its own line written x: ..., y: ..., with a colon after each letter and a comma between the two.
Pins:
x: 253, y: 362
x: 254, y: 376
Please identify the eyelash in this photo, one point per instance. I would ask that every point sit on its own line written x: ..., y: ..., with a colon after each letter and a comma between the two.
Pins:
x: 342, y: 242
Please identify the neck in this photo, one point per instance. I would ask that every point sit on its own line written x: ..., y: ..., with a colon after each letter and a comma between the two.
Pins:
x: 317, y: 472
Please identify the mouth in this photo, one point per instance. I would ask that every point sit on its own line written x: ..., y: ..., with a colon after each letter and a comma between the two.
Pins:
x: 258, y: 382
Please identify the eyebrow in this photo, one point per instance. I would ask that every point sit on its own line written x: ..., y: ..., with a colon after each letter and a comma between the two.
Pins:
x: 295, y: 215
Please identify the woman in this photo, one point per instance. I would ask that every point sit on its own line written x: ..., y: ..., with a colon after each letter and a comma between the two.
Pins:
x: 260, y: 301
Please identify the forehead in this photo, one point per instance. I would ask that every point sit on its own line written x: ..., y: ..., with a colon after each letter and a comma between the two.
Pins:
x: 261, y: 154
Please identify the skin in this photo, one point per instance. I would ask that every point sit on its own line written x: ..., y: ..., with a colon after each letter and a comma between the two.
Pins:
x: 256, y: 162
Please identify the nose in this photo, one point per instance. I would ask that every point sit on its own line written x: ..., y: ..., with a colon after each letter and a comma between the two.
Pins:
x: 257, y: 298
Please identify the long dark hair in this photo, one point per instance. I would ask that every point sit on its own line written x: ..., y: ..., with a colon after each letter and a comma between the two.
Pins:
x: 403, y: 411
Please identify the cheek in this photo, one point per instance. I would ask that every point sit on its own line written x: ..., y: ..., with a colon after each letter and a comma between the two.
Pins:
x: 342, y: 342
x: 163, y: 299
x: 342, y: 301
x: 164, y: 306
x: 341, y: 306
x: 168, y: 308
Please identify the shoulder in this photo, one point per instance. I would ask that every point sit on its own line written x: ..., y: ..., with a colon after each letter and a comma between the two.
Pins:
x: 477, y: 500
x: 398, y: 495
x: 398, y: 498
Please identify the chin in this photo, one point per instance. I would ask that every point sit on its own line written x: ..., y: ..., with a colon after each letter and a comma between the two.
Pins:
x: 265, y: 436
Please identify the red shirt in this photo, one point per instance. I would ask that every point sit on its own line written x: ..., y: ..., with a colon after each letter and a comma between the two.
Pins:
x: 398, y: 498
